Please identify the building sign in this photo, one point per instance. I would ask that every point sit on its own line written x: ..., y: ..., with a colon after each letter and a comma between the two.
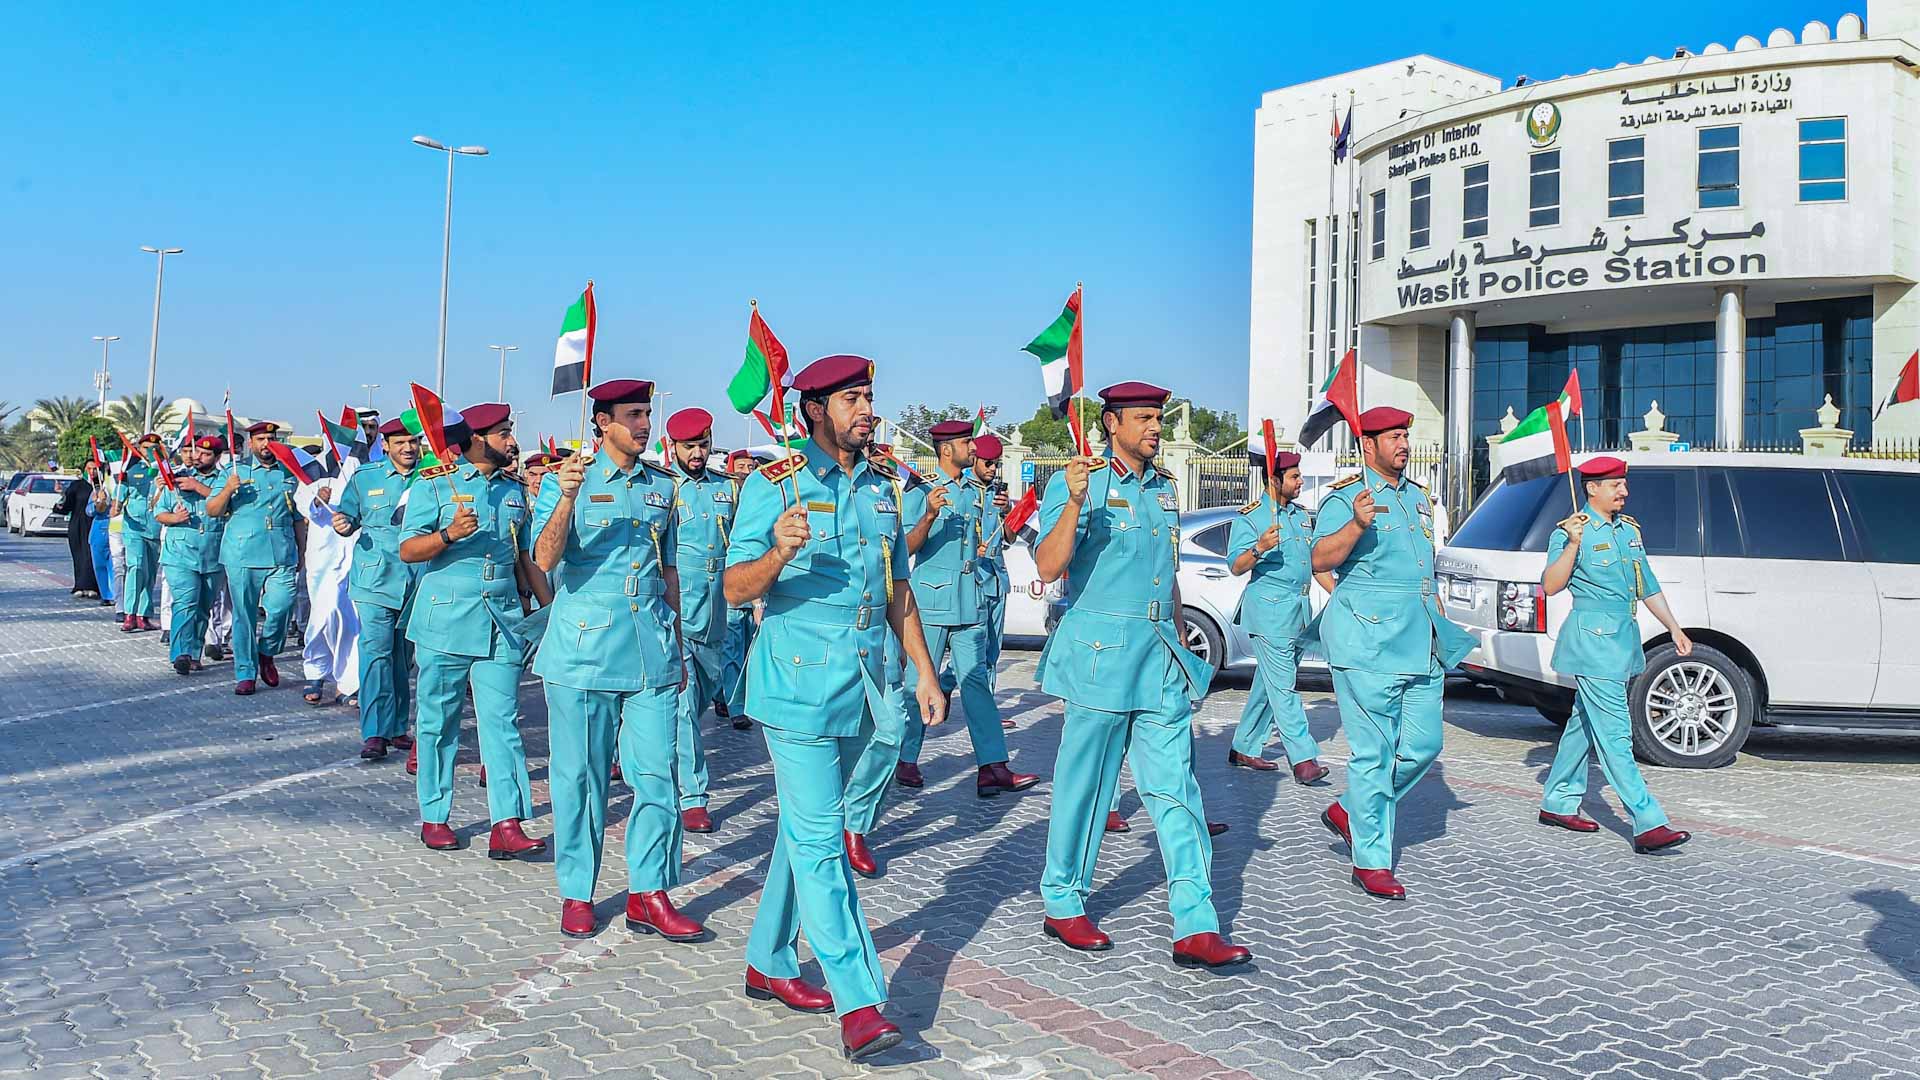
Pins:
x: 1680, y: 254
x: 1543, y: 124
x: 1458, y: 143
x: 1726, y: 97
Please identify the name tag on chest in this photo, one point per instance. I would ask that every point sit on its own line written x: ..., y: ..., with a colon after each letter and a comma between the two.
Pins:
x: 822, y: 507
x: 600, y: 498
x: 1115, y: 502
x: 1603, y: 547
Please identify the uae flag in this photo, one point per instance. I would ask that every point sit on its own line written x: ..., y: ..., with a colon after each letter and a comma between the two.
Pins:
x: 1339, y: 400
x: 1019, y: 520
x: 1058, y: 350
x: 763, y: 370
x: 573, y: 355
x: 787, y: 432
x: 980, y: 421
x: 1536, y: 447
x: 343, y: 437
x: 1905, y: 388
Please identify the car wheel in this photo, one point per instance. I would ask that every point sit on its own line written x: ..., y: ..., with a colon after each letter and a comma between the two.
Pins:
x: 1691, y: 712
x: 1202, y: 638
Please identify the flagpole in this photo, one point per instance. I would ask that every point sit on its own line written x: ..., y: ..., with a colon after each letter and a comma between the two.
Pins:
x: 586, y: 371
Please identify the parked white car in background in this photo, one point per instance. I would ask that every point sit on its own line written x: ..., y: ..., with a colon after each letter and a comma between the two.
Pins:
x: 1797, y: 578
x: 30, y: 506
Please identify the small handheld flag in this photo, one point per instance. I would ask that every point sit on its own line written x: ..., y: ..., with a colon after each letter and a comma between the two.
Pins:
x: 764, y: 368
x: 1339, y: 400
x: 285, y: 456
x: 1020, y: 513
x: 573, y: 354
x: 1905, y: 388
x: 1059, y: 350
x: 427, y: 414
x: 1536, y: 447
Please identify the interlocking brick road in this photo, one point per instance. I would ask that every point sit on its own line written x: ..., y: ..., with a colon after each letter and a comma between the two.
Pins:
x: 193, y: 885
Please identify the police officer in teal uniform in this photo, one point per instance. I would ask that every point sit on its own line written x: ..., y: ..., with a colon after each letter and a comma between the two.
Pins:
x: 190, y: 552
x: 1387, y: 640
x: 942, y: 515
x: 829, y: 560
x: 259, y: 553
x: 382, y: 586
x: 991, y: 564
x: 140, y: 533
x: 1272, y: 538
x: 1600, y: 556
x: 1112, y: 527
x: 471, y: 531
x: 612, y: 661
x: 731, y: 700
x: 703, y: 504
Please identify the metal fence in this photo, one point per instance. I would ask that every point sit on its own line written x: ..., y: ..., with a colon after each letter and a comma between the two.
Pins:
x: 1219, y: 481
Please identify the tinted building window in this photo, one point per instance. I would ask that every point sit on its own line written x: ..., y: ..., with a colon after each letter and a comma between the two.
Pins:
x: 1719, y: 167
x: 1379, y: 250
x: 1823, y: 160
x: 1473, y: 216
x: 1800, y: 355
x: 1786, y: 514
x: 1883, y: 508
x: 1626, y: 177
x: 1543, y: 188
x: 1420, y: 212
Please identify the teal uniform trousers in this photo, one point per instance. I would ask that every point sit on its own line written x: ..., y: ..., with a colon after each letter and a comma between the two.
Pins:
x: 190, y: 559
x: 1599, y: 645
x: 140, y: 535
x: 382, y: 589
x: 703, y: 509
x: 1274, y: 610
x: 258, y: 554
x: 953, y: 612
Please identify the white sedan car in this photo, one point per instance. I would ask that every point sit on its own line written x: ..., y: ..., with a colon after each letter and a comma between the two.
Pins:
x: 30, y: 506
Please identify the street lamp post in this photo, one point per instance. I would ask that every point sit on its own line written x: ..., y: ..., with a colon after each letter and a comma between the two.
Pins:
x: 102, y: 380
x: 446, y: 250
x: 503, y: 350
x: 153, y: 342
x: 369, y: 387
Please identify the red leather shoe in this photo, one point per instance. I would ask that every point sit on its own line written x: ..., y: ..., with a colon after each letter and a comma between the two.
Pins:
x: 373, y: 749
x: 1116, y: 823
x: 1215, y: 828
x: 996, y: 778
x: 907, y: 774
x: 437, y: 836
x: 401, y: 742
x: 654, y: 913
x: 1334, y: 818
x: 244, y: 688
x: 576, y: 918
x: 1569, y: 822
x: 127, y: 625
x: 859, y: 855
x: 1257, y: 764
x: 1309, y: 772
x: 1077, y: 933
x: 1208, y: 950
x: 865, y: 1033
x: 720, y: 709
x: 148, y: 624
x: 794, y: 994
x: 483, y: 776
x: 413, y: 760
x: 614, y: 775
x: 1380, y: 883
x: 696, y: 819
x: 268, y: 673
x: 508, y: 841
x: 1658, y: 838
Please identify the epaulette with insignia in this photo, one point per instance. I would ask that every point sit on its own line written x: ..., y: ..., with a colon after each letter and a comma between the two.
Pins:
x: 1096, y: 465
x: 1630, y: 521
x: 1163, y: 471
x: 1250, y: 507
x: 777, y: 471
x: 443, y: 469
x: 515, y: 477
x: 655, y: 466
x: 716, y: 475
x: 1338, y: 484
x: 1414, y: 482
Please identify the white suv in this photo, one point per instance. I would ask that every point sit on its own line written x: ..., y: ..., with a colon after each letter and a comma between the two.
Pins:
x: 1797, y: 578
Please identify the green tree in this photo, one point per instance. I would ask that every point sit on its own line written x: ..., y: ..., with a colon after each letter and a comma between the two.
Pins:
x: 919, y: 419
x: 7, y: 409
x: 24, y: 446
x: 130, y: 412
x: 57, y: 414
x: 1212, y: 430
x: 1049, y: 434
x: 73, y: 447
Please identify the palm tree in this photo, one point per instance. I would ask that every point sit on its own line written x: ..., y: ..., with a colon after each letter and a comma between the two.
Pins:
x: 24, y: 447
x: 130, y: 412
x: 57, y: 414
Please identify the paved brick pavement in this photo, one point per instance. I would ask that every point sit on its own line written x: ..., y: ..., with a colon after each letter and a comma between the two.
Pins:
x: 193, y: 884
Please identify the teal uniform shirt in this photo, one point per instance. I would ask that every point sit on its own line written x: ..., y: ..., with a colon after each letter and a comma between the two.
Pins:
x: 1384, y: 616
x: 138, y: 494
x: 372, y: 502
x: 611, y: 627
x: 819, y: 657
x: 1611, y: 576
x: 469, y: 589
x: 194, y: 545
x: 703, y: 509
x: 1120, y: 638
x: 945, y: 583
x: 260, y: 516
x: 1277, y: 601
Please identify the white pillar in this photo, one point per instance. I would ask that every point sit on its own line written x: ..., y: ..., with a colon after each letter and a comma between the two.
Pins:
x: 1730, y: 366
x: 1460, y: 409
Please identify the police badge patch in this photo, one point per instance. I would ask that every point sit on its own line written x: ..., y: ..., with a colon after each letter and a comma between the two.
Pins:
x: 657, y: 499
x: 1169, y: 501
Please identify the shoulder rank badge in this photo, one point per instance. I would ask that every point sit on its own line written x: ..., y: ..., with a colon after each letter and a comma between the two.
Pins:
x: 1250, y: 507
x: 777, y: 471
x: 1345, y: 481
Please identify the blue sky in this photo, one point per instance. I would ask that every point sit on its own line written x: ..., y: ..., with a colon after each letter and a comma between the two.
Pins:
x: 919, y: 184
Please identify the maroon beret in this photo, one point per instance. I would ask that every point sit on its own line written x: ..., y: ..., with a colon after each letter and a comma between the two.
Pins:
x: 487, y: 414
x: 623, y: 392
x: 210, y: 442
x: 1603, y: 468
x: 1129, y: 395
x: 831, y: 373
x: 393, y: 427
x: 1284, y: 460
x: 540, y: 458
x: 1383, y: 418
x: 149, y: 437
x: 987, y: 447
x: 263, y: 427
x: 950, y: 429
x: 689, y: 424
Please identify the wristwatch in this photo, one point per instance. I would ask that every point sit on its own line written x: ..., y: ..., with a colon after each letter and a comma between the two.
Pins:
x: 445, y: 539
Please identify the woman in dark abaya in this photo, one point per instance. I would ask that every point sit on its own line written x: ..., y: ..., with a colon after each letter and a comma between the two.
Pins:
x: 73, y: 503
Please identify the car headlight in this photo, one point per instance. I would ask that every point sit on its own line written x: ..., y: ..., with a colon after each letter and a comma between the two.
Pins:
x: 1523, y: 607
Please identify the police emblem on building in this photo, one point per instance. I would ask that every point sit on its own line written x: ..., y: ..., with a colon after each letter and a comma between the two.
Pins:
x: 1543, y: 123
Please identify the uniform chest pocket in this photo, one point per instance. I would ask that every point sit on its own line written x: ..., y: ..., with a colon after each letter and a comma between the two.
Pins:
x: 822, y: 525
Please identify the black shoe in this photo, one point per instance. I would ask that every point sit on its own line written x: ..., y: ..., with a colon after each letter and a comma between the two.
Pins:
x: 216, y: 652
x: 183, y: 666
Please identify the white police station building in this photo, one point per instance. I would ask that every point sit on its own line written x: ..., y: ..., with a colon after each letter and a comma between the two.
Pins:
x: 1733, y: 232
